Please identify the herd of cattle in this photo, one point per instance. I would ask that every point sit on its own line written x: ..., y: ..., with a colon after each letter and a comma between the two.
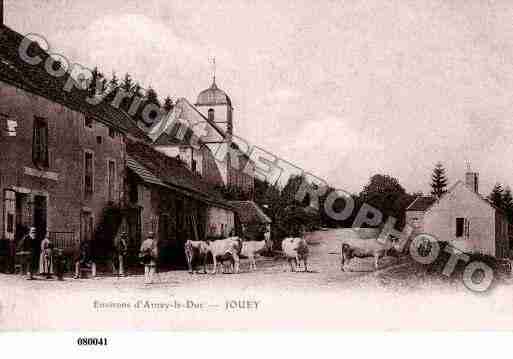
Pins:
x: 295, y: 251
x: 231, y: 249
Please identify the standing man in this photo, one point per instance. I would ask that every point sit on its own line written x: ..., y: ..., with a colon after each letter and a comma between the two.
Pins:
x: 26, y: 250
x: 121, y: 249
x: 149, y: 255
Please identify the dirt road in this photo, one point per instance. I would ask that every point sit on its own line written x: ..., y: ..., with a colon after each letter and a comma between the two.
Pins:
x: 271, y: 297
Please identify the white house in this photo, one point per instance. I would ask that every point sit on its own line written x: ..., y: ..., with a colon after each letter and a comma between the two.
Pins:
x: 468, y: 221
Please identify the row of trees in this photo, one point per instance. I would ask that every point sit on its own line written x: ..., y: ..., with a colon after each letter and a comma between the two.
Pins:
x: 100, y: 85
x: 383, y: 192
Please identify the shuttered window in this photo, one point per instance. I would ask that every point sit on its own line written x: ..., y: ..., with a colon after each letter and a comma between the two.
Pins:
x: 40, y: 143
x: 111, y: 180
x: 87, y: 226
x: 460, y: 224
x: 462, y: 227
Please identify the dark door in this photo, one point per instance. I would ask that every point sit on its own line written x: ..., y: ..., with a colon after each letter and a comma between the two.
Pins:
x: 39, y: 220
x: 40, y: 213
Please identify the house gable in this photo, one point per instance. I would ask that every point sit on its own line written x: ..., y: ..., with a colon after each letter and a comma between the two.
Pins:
x: 459, y: 196
x: 464, y: 219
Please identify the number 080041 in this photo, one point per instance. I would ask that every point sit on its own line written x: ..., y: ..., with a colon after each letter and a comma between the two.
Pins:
x: 92, y: 341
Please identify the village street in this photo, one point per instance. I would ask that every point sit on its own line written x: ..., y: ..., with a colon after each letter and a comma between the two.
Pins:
x: 270, y: 297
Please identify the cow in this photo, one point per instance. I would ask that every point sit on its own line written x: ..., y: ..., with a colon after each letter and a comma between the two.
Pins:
x: 223, y: 249
x: 251, y: 248
x: 196, y: 250
x: 373, y: 247
x: 295, y: 250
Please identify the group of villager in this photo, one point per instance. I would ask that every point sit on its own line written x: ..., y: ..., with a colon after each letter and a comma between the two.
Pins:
x: 42, y: 257
x: 38, y: 257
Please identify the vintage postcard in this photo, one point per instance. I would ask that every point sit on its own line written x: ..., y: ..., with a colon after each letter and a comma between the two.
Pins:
x: 255, y: 165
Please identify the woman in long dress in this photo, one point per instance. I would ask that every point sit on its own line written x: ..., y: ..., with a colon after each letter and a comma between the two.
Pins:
x: 148, y: 255
x: 45, y: 259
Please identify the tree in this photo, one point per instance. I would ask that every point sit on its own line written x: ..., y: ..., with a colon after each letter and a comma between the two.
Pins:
x: 127, y: 84
x: 438, y: 181
x: 291, y: 189
x: 386, y: 194
x: 507, y: 200
x: 95, y: 82
x: 152, y: 97
x: 111, y: 88
x: 496, y: 196
x: 114, y: 82
x: 168, y: 104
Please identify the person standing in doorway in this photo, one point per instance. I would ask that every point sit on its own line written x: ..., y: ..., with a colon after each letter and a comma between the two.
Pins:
x: 148, y: 255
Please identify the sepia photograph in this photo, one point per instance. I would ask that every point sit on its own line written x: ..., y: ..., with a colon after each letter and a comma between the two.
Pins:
x: 247, y: 166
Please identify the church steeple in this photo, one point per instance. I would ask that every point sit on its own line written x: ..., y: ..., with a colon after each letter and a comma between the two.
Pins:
x: 216, y: 105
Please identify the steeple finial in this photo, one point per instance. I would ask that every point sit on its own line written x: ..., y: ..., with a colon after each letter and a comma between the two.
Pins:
x: 214, y: 70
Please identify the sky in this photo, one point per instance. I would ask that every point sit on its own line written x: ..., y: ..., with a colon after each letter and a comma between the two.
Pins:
x: 343, y: 89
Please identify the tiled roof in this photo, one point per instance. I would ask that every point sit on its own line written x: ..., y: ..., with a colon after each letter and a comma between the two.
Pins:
x: 421, y: 203
x: 250, y: 213
x: 143, y: 172
x: 157, y: 168
x: 168, y: 123
x: 35, y: 79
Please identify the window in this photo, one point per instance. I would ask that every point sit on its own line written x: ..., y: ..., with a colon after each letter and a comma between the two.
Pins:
x: 88, y: 174
x: 193, y: 166
x: 11, y: 128
x: 211, y: 115
x: 10, y: 223
x: 87, y: 226
x: 99, y: 140
x: 112, y: 132
x: 111, y: 180
x: 88, y: 122
x: 462, y: 227
x: 8, y: 125
x: 40, y: 143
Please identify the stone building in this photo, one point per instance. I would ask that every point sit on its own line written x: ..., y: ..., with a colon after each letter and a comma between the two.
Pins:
x: 467, y: 221
x: 166, y: 198
x: 62, y: 160
x: 202, y: 136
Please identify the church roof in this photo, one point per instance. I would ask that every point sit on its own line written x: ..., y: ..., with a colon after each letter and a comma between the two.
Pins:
x: 213, y: 96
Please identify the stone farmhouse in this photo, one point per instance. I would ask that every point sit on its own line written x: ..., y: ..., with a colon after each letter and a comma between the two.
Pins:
x: 469, y: 222
x: 64, y: 162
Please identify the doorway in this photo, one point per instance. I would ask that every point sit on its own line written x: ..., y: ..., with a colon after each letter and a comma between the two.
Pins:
x: 40, y: 217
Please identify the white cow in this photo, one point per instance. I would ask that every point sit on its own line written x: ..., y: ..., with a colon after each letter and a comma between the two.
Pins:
x: 251, y: 248
x: 222, y: 249
x: 295, y: 250
x: 373, y: 247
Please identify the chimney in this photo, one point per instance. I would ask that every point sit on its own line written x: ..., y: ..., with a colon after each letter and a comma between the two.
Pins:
x: 472, y: 180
